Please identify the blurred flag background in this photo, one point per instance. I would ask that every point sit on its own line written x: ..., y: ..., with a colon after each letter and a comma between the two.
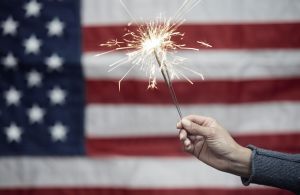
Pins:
x: 66, y: 129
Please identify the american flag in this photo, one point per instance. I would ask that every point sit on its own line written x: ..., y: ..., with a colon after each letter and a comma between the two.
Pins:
x: 66, y: 129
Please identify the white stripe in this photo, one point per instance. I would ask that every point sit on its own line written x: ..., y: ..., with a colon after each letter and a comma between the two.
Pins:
x: 107, y: 12
x: 111, y: 172
x: 136, y: 120
x: 224, y: 64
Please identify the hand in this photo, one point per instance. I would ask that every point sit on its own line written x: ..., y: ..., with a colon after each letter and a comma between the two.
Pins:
x: 204, y: 138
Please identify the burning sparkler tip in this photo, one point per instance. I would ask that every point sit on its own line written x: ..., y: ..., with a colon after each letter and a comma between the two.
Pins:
x: 151, y: 43
x: 154, y: 43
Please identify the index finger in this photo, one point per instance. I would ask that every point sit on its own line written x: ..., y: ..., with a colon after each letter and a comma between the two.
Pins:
x: 200, y: 120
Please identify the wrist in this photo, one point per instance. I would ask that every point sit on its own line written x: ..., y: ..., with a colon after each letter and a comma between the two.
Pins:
x: 240, y: 162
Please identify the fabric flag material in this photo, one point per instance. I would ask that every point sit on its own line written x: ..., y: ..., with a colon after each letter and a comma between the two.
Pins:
x: 65, y: 128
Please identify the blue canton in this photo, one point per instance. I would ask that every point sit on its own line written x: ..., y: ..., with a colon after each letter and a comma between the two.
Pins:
x: 41, y: 78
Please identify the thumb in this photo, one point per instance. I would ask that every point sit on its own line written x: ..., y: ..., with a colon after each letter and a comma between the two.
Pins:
x: 194, y: 128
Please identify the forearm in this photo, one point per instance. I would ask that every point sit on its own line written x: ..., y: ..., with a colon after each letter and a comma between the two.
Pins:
x: 266, y: 167
x: 274, y: 169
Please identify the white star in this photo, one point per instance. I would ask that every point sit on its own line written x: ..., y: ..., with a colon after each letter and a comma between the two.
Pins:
x: 9, y: 26
x: 58, y: 132
x: 54, y: 62
x: 32, y: 8
x: 34, y: 79
x: 55, y: 27
x: 13, y: 133
x: 10, y: 61
x: 35, y: 114
x: 57, y: 95
x: 12, y: 96
x: 32, y: 45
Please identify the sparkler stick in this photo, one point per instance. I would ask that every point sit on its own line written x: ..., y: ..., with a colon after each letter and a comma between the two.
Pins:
x: 165, y: 73
x: 167, y: 79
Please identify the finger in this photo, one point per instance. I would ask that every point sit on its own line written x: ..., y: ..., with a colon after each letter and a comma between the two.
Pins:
x: 179, y: 125
x: 189, y: 147
x: 187, y: 142
x: 195, y: 129
x: 182, y: 135
x: 201, y: 120
x: 199, y: 138
x: 194, y: 138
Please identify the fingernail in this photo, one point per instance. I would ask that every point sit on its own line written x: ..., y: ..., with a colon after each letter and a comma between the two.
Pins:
x: 178, y: 125
x: 186, y: 122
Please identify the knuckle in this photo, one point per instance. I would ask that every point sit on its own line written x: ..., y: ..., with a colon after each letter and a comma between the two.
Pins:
x: 193, y: 126
x: 181, y: 138
x: 182, y: 134
x: 212, y: 132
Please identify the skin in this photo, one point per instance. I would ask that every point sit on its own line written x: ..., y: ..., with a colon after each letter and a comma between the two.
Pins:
x: 209, y: 142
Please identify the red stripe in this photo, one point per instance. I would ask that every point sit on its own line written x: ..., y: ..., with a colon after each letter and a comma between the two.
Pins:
x: 105, y: 91
x: 220, y: 36
x: 124, y: 191
x: 170, y: 146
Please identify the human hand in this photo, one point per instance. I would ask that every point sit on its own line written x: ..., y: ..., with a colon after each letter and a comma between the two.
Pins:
x: 208, y: 141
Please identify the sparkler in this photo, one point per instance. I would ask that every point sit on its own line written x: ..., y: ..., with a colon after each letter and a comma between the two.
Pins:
x: 152, y: 48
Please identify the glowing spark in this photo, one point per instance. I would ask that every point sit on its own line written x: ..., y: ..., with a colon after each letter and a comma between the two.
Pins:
x: 149, y: 44
x: 111, y: 43
x: 204, y: 44
x: 153, y: 43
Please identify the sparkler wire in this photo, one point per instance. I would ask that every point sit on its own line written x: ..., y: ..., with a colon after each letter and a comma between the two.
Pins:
x: 167, y: 79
